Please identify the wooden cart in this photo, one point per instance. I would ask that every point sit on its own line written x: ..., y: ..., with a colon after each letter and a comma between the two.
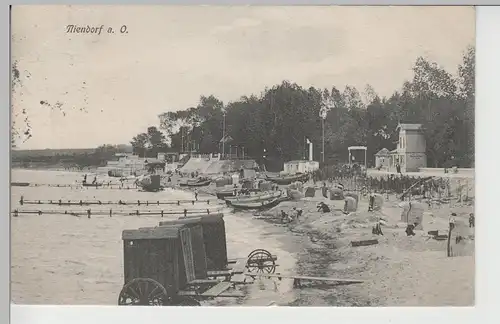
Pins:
x: 167, y: 265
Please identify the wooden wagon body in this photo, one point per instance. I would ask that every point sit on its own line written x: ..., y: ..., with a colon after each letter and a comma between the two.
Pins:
x: 173, y: 255
x: 214, y: 237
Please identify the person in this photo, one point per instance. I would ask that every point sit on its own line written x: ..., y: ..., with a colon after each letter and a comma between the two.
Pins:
x: 372, y: 202
x: 323, y: 207
x: 284, y: 216
x: 196, y: 194
x: 452, y: 221
x: 377, y: 229
x: 398, y: 168
x: 95, y: 180
x: 472, y: 220
x: 409, y: 230
x: 85, y: 179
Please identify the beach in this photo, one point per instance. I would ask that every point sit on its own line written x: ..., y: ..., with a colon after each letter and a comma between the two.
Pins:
x: 63, y: 259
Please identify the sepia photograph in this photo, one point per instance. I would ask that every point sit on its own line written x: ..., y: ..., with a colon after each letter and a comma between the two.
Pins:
x: 273, y: 156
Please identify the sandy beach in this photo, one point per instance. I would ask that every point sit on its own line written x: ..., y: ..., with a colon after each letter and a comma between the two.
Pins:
x: 62, y: 259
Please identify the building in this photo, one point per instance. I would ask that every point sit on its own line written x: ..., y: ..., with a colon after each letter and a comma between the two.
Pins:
x: 383, y: 159
x: 300, y: 166
x: 411, y: 148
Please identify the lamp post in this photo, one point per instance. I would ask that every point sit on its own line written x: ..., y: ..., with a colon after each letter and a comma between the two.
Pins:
x: 323, y: 117
x: 223, y: 133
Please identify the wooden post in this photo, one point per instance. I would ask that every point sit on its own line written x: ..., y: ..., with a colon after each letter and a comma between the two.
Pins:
x: 162, y: 213
x: 88, y: 213
x: 16, y: 213
x: 185, y: 212
x: 138, y: 202
x: 110, y: 212
x: 21, y: 201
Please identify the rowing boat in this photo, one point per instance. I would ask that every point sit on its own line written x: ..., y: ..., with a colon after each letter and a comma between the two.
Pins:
x: 262, y: 204
x: 257, y: 197
x: 286, y: 180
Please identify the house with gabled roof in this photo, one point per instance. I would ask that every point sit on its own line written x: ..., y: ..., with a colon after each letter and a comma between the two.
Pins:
x: 410, y: 151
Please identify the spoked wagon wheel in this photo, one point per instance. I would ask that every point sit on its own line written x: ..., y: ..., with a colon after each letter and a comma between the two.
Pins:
x: 143, y: 292
x: 261, y: 261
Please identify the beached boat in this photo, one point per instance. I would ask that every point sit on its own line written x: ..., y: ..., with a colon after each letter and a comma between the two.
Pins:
x: 230, y: 193
x: 197, y: 183
x: 255, y: 197
x: 261, y: 204
x: 288, y: 179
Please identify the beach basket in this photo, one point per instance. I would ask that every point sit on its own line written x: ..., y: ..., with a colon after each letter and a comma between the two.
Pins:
x: 294, y: 194
x: 353, y: 195
x: 310, y: 192
x: 336, y: 194
x: 351, y: 205
x: 413, y: 212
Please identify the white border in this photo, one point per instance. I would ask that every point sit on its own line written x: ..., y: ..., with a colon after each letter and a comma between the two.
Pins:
x: 487, y: 157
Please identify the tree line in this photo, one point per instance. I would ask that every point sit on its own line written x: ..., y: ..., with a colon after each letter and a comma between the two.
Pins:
x: 276, y: 123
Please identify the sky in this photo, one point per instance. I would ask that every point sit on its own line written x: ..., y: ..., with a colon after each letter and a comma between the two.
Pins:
x: 112, y: 86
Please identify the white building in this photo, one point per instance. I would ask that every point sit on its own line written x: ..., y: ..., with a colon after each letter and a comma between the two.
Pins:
x: 301, y: 166
x: 410, y: 152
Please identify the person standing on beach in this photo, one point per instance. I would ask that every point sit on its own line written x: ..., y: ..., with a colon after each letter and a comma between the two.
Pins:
x: 452, y: 221
x: 472, y: 220
x: 85, y: 179
x: 196, y: 194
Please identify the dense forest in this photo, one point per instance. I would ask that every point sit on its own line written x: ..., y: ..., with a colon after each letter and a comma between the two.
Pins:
x: 280, y: 119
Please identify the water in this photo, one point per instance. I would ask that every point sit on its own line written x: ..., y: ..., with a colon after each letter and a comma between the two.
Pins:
x: 63, y: 259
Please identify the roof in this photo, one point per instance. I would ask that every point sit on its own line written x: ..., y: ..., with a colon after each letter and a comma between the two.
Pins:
x: 152, y: 233
x: 383, y: 151
x: 409, y: 126
x: 394, y: 151
x: 212, y: 218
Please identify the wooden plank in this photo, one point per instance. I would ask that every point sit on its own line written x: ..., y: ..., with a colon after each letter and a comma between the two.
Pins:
x: 219, y: 273
x: 187, y: 251
x: 235, y: 294
x: 217, y: 289
x: 238, y: 278
x: 203, y: 281
x: 364, y: 243
x: 240, y: 266
x: 292, y: 276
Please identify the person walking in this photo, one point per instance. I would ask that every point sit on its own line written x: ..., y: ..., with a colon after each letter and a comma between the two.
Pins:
x: 196, y: 194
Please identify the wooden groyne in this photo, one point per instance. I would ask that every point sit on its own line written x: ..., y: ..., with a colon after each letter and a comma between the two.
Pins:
x: 77, y: 186
x: 61, y: 202
x: 110, y: 212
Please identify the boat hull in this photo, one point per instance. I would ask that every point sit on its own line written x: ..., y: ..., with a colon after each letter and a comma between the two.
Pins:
x: 287, y: 180
x: 242, y: 199
x: 257, y: 205
x: 196, y: 184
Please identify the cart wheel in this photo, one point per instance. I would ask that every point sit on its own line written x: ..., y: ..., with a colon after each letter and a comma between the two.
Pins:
x: 189, y: 301
x: 143, y: 292
x: 261, y: 261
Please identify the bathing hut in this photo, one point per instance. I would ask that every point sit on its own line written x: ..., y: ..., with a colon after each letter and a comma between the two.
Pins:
x: 336, y: 193
x: 170, y: 248
x: 350, y: 205
x: 413, y: 213
x: 214, y: 237
x: 310, y: 192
